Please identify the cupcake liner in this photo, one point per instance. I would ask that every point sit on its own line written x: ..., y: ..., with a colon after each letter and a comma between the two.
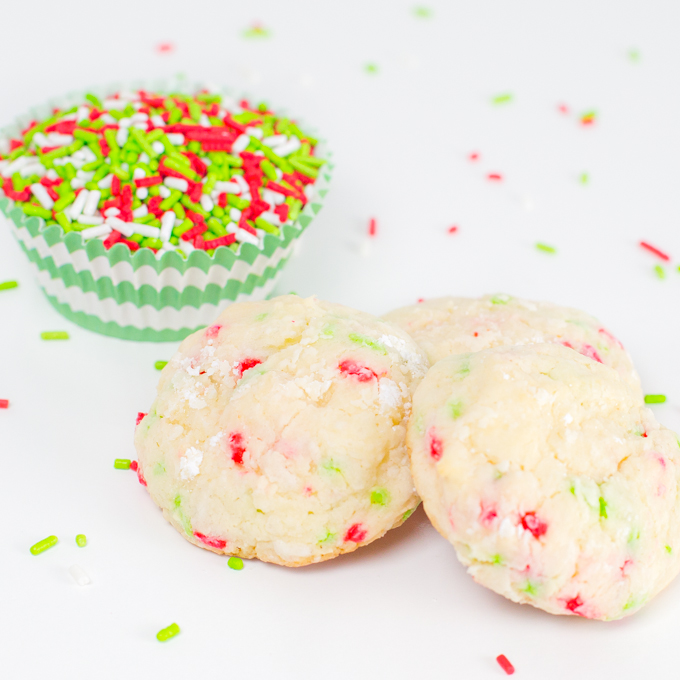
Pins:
x: 137, y: 296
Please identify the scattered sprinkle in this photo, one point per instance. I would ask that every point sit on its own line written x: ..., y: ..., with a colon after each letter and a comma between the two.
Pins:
x: 167, y: 633
x: 634, y: 55
x: 660, y: 271
x: 371, y: 68
x: 422, y: 12
x: 257, y: 30
x: 563, y: 108
x: 584, y: 179
x: 121, y: 464
x: 504, y: 98
x: 655, y: 398
x: 165, y: 47
x: 545, y: 248
x: 235, y: 563
x: 79, y: 575
x: 495, y: 176
x: 505, y: 664
x: 474, y: 156
x: 4, y: 403
x: 54, y: 335
x: 372, y: 227
x: 588, y: 118
x: 43, y: 545
x: 160, y: 365
x: 6, y: 285
x: 81, y: 540
x: 453, y: 229
x: 656, y: 251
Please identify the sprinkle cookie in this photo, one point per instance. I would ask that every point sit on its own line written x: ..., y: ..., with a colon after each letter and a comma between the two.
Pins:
x: 452, y: 325
x: 279, y: 431
x: 550, y: 477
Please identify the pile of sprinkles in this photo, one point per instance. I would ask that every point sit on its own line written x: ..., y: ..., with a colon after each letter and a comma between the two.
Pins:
x: 163, y: 171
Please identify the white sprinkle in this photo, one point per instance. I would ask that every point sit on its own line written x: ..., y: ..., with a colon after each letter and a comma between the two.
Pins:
x: 140, y: 212
x: 310, y: 191
x: 241, y: 144
x: 83, y: 113
x: 163, y: 191
x: 92, y: 202
x: 190, y: 463
x: 106, y: 182
x: 142, y: 193
x: 275, y: 140
x: 139, y: 117
x: 291, y: 146
x: 122, y: 134
x: 40, y: 192
x: 227, y: 188
x: 125, y: 228
x: 242, y: 183
x: 167, y: 224
x: 158, y: 147
x: 144, y: 158
x: 94, y: 232
x: 146, y: 230
x: 204, y: 121
x: 176, y: 183
x: 90, y: 219
x: 77, y: 184
x: 35, y: 168
x: 157, y: 121
x: 15, y: 166
x: 79, y: 575
x: 176, y: 138
x: 139, y: 173
x: 272, y: 218
x: 78, y: 205
x: 568, y: 419
x: 207, y: 203
x: 254, y: 132
x: 389, y: 395
x: 243, y: 236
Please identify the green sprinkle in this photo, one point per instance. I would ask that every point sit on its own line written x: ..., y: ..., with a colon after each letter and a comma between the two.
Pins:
x: 7, y: 285
x: 669, y: 550
x: 167, y: 633
x: 43, y: 545
x: 530, y: 589
x: 36, y: 211
x: 235, y: 563
x: 655, y: 398
x: 500, y: 299
x: 543, y: 247
x: 55, y: 335
x: 380, y: 497
x: 497, y: 559
x: 407, y: 514
x: 94, y: 100
x: 634, y: 55
x: 504, y: 98
x: 121, y: 464
x: 160, y: 365
x: 256, y: 31
x: 455, y: 409
x: 81, y: 540
x: 371, y: 68
x: 365, y: 341
x: 584, y: 178
x: 422, y: 12
x: 660, y: 271
x: 603, y: 508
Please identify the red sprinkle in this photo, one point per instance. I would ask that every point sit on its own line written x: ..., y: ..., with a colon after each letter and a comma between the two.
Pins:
x: 505, y: 664
x: 362, y: 373
x: 372, y: 227
x: 140, y: 415
x: 453, y: 230
x: 495, y: 176
x: 148, y: 181
x: 212, y: 331
x: 165, y: 47
x: 656, y: 251
x: 211, y: 541
x: 531, y: 523
x: 247, y: 364
x: 356, y: 533
x: 4, y: 403
x: 237, y: 447
x: 563, y: 108
x: 436, y: 447
x: 140, y: 476
x: 134, y: 465
x: 474, y: 156
x: 573, y: 604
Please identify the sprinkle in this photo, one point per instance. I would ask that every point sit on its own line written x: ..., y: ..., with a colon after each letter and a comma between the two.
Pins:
x: 372, y: 227
x: 43, y: 545
x: 563, y: 108
x: 495, y: 176
x: 165, y: 47
x: 167, y: 633
x: 235, y: 563
x: 453, y: 229
x: 213, y: 542
x: 356, y: 533
x: 79, y: 575
x: 7, y: 285
x: 584, y: 178
x: 81, y: 540
x: 238, y: 448
x: 474, y: 156
x: 634, y: 55
x: 655, y: 251
x: 134, y: 466
x: 121, y: 464
x: 504, y: 98
x: 422, y: 12
x: 660, y: 271
x: 140, y: 417
x: 530, y: 522
x: 256, y: 31
x: 4, y: 403
x: 505, y: 664
x: 54, y: 335
x: 371, y: 68
x: 588, y: 118
x: 160, y: 365
x: 543, y: 247
x: 655, y: 398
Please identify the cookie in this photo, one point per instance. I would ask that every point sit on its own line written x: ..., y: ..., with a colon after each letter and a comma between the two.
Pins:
x: 279, y: 432
x: 452, y: 325
x: 552, y: 480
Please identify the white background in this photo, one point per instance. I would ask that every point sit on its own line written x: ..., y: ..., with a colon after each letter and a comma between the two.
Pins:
x: 402, y: 607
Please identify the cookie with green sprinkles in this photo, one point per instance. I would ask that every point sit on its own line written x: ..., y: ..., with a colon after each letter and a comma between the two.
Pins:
x: 198, y: 181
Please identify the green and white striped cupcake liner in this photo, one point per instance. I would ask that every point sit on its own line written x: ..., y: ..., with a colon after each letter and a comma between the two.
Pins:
x: 137, y: 296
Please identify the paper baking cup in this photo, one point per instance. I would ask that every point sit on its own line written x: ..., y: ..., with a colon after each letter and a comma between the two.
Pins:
x: 137, y: 296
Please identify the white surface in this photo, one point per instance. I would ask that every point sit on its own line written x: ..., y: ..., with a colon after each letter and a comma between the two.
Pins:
x: 402, y: 607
